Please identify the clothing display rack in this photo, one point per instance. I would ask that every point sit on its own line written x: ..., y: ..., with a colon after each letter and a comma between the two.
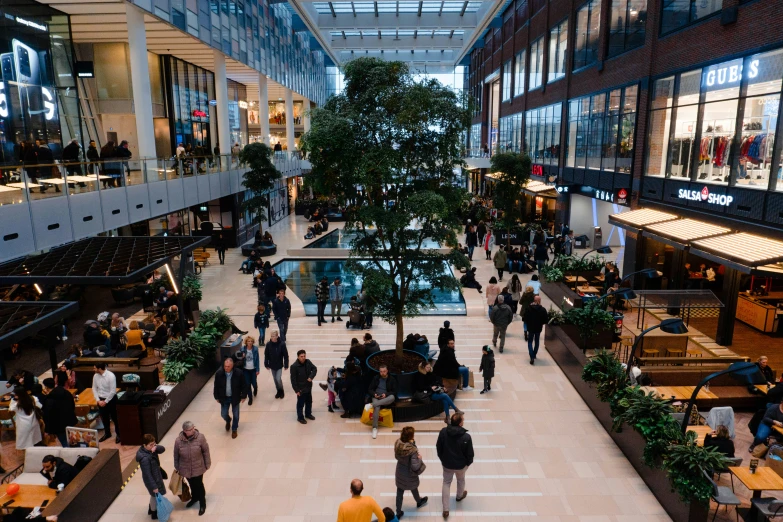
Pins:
x: 714, y: 149
x: 756, y: 148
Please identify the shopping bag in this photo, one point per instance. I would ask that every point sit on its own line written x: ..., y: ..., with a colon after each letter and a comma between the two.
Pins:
x: 185, y: 496
x: 164, y: 507
x: 385, y: 418
x: 470, y: 380
x: 175, y: 484
x: 367, y: 415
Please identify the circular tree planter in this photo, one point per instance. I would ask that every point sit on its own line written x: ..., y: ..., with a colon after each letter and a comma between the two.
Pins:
x: 405, y: 409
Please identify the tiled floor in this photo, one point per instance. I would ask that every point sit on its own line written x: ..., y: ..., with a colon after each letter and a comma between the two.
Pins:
x: 540, y: 453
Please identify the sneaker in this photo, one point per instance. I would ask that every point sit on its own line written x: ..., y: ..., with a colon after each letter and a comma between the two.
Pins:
x: 332, y: 319
x: 422, y: 502
x: 466, y: 388
x: 330, y: 409
x: 482, y: 392
x: 323, y: 386
x: 65, y: 337
x: 375, y: 433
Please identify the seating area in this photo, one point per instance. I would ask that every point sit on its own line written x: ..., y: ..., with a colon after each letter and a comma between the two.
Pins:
x: 264, y: 250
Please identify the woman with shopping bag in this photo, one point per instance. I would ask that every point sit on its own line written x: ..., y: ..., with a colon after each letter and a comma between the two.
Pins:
x: 191, y: 461
x: 153, y: 475
x: 409, y: 467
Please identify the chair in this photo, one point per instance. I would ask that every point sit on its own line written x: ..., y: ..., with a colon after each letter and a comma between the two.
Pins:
x: 768, y: 507
x: 85, y: 418
x: 675, y: 352
x: 132, y: 380
x: 650, y: 352
x: 733, y: 462
x: 723, y: 496
x: 7, y: 422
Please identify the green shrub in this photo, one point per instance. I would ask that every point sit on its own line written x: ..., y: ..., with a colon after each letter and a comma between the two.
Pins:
x: 191, y: 287
x: 685, y: 463
x: 606, y: 372
x: 551, y: 274
x: 590, y: 320
x: 175, y: 371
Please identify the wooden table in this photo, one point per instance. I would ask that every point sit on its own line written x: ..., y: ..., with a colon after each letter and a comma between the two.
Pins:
x: 29, y: 496
x: 600, y: 277
x: 701, y: 432
x: 680, y: 393
x: 765, y: 479
x: 86, y: 397
x: 588, y: 290
x: 762, y: 388
x: 571, y: 279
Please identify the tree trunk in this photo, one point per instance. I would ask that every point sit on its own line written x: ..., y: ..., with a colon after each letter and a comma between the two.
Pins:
x: 400, y: 335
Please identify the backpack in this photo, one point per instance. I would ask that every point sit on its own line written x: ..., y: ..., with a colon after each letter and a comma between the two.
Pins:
x: 81, y: 463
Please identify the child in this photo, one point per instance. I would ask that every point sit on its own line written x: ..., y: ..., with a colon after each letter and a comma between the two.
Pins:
x: 487, y: 366
x: 261, y: 321
x: 331, y: 379
x: 388, y: 513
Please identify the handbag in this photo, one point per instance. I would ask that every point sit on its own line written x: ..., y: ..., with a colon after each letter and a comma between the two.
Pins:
x: 759, y: 451
x: 422, y: 396
x: 185, y: 496
x: 176, y: 482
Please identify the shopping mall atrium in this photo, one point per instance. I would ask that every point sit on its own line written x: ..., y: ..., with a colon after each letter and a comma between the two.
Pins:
x: 304, y: 261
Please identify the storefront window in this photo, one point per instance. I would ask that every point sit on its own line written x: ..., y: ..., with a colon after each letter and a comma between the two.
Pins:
x: 542, y: 134
x: 536, y: 63
x: 745, y: 90
x: 519, y: 74
x: 192, y: 89
x: 679, y: 13
x: 507, y: 81
x: 588, y: 27
x: 511, y: 133
x: 474, y: 146
x: 627, y: 29
x: 558, y: 47
x: 601, y: 130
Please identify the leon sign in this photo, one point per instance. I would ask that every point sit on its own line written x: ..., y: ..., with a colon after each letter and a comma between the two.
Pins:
x: 705, y: 196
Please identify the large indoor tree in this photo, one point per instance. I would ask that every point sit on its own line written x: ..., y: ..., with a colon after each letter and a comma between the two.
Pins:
x: 512, y: 170
x: 259, y: 179
x: 389, y: 148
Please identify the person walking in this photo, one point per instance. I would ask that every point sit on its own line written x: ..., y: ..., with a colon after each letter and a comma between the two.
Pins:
x: 455, y: 451
x: 220, y: 248
x: 59, y: 409
x: 471, y: 241
x: 252, y: 367
x: 489, y: 243
x: 271, y: 286
x: 500, y: 261
x: 261, y: 321
x: 524, y: 303
x: 383, y: 391
x: 493, y: 291
x: 487, y: 367
x: 282, y: 309
x: 192, y: 460
x: 104, y: 388
x: 276, y: 360
x: 541, y: 255
x: 93, y: 156
x: 321, y: 298
x: 501, y: 317
x: 336, y: 295
x: 302, y: 374
x: 409, y: 466
x: 359, y: 508
x: 535, y: 318
x: 151, y: 474
x: 481, y: 231
x: 230, y: 391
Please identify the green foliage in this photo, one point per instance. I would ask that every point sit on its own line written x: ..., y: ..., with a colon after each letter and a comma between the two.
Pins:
x: 554, y: 317
x: 175, y: 371
x: 182, y: 350
x: 192, y: 287
x: 685, y: 464
x: 551, y: 274
x: 391, y: 145
x: 217, y: 319
x: 260, y: 178
x: 590, y: 320
x: 513, y: 172
x: 606, y: 372
x: 577, y: 264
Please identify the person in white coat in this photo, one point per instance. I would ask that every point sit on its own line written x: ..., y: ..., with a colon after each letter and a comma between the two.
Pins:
x: 28, y: 431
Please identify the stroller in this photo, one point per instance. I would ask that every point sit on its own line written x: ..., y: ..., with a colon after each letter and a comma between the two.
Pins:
x: 355, y: 314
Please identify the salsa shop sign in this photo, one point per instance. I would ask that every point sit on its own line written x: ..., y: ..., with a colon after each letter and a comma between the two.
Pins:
x: 721, y: 200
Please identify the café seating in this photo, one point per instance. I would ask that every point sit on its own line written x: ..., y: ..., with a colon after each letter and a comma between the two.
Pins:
x: 768, y: 507
x: 723, y: 495
x: 85, y: 416
x: 122, y: 295
x: 30, y: 471
x: 730, y: 462
x: 132, y: 381
x: 7, y: 422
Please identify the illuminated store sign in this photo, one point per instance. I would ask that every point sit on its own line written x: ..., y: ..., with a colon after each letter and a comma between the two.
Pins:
x: 34, y: 25
x: 242, y: 104
x: 705, y: 196
x: 199, y: 114
x: 729, y: 73
x: 618, y: 196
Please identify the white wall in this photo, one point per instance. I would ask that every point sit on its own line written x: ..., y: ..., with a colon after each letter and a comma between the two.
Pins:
x: 588, y: 212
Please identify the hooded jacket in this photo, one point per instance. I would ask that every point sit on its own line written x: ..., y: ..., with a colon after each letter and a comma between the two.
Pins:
x: 447, y: 366
x: 500, y: 259
x: 191, y: 455
x: 444, y: 336
x: 455, y: 447
x: 502, y: 316
x: 488, y: 365
x: 149, y: 463
x: 406, y: 475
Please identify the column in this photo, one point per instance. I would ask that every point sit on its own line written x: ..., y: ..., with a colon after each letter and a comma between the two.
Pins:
x: 731, y: 288
x: 140, y: 81
x: 221, y: 96
x: 289, y: 120
x: 263, y: 107
x: 306, y: 115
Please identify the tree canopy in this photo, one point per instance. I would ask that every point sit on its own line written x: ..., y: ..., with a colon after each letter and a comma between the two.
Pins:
x: 513, y: 173
x: 260, y: 179
x: 387, y: 148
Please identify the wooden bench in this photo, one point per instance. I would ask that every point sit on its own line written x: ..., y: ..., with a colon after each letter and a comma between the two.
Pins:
x: 690, y: 361
x: 108, y: 361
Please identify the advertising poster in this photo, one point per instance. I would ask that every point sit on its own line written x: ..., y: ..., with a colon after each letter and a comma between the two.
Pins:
x: 81, y: 437
x: 28, y: 102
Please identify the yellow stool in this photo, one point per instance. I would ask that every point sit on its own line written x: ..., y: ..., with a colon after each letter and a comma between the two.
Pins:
x: 650, y: 352
x: 625, y: 345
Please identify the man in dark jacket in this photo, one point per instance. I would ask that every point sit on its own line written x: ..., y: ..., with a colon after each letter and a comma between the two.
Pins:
x: 501, y: 317
x: 447, y: 366
x: 370, y: 345
x: 445, y: 335
x: 59, y: 410
x: 275, y: 360
x: 383, y: 392
x: 272, y: 284
x: 230, y: 390
x: 57, y: 471
x: 281, y: 306
x: 455, y: 451
x: 71, y: 153
x: 540, y: 254
x: 535, y: 318
x: 322, y: 298
x: 302, y: 374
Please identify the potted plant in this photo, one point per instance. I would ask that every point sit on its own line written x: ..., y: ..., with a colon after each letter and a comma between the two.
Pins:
x: 592, y: 326
x: 403, y: 369
x: 191, y: 292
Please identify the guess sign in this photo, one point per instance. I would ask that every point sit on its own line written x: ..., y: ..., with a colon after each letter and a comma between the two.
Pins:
x: 537, y: 170
x: 705, y: 196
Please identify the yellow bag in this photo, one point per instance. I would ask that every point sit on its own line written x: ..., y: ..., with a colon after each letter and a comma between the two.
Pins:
x: 384, y: 420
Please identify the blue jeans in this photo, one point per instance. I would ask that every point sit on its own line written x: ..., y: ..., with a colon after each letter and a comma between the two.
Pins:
x: 282, y: 325
x: 446, y: 400
x: 304, y: 401
x: 541, y: 263
x: 762, y: 433
x: 261, y: 335
x: 246, y: 264
x: 251, y: 379
x: 224, y: 406
x: 489, y: 310
x: 531, y: 338
x: 470, y: 252
x: 464, y: 371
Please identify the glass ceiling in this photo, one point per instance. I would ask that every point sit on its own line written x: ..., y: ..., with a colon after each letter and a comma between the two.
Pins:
x: 335, y: 8
x: 397, y: 34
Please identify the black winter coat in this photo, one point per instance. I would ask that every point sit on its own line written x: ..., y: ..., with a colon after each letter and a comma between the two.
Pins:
x: 150, y: 469
x: 276, y: 355
x: 445, y: 335
x: 535, y: 318
x: 59, y: 410
x: 299, y: 375
x: 391, y: 386
x: 423, y: 382
x: 487, y: 365
x: 238, y: 386
x: 64, y: 473
x: 281, y: 309
x: 447, y: 366
x: 455, y: 447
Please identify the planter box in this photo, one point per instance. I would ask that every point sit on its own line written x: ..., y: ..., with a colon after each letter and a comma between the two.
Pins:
x: 604, y: 338
x: 571, y: 360
x: 404, y: 380
x: 559, y: 291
